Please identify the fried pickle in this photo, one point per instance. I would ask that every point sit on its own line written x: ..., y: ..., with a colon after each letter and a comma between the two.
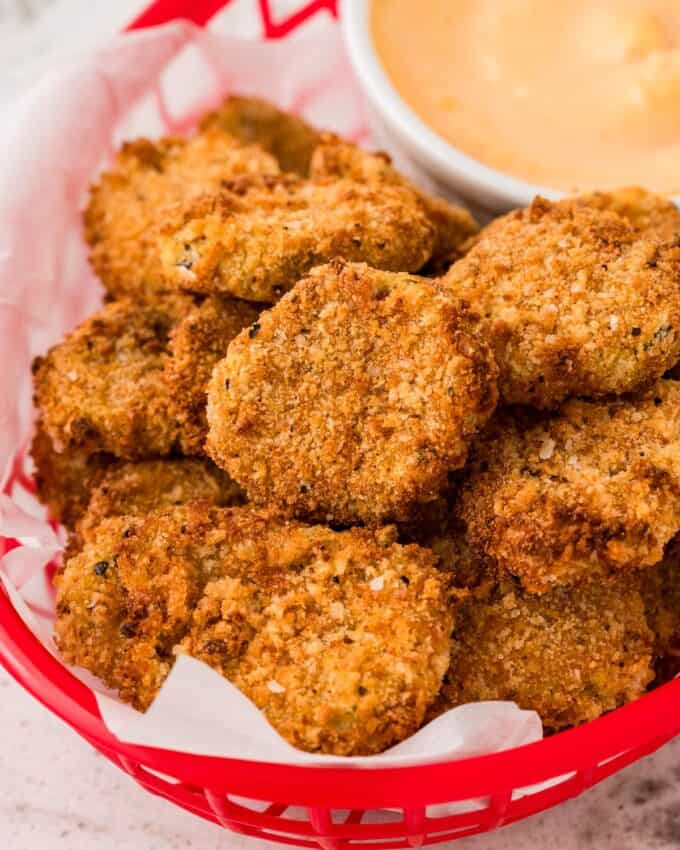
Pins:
x: 453, y: 225
x: 91, y: 629
x: 256, y: 240
x: 340, y: 638
x: 196, y: 345
x: 289, y: 139
x: 130, y: 202
x: 660, y: 588
x: 574, y: 300
x: 589, y: 491
x: 651, y: 213
x: 570, y: 654
x: 135, y: 489
x: 65, y: 481
x: 437, y: 526
x: 102, y: 388
x: 352, y: 398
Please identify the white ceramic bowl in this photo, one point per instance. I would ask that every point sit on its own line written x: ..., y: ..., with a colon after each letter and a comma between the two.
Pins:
x: 415, y: 146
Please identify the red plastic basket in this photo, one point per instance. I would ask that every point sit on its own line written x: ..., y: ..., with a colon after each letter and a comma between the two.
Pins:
x: 335, y: 807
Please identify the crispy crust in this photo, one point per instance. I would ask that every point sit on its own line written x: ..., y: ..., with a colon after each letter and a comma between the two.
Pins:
x: 135, y: 489
x: 660, y: 588
x: 571, y: 654
x: 574, y: 300
x: 258, y: 239
x: 102, y: 388
x: 197, y: 344
x: 65, y: 481
x: 590, y: 491
x: 436, y: 526
x: 340, y: 638
x: 352, y: 398
x: 453, y: 225
x: 289, y: 139
x: 131, y: 201
x: 652, y: 214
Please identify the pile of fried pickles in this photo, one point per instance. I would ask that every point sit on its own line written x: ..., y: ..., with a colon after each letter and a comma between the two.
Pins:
x: 364, y: 459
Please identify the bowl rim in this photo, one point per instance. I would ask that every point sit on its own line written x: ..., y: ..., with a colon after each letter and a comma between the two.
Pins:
x: 436, y: 153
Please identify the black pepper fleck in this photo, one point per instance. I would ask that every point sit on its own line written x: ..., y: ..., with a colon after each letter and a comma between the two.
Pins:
x: 101, y: 567
x: 636, y: 331
x: 253, y: 330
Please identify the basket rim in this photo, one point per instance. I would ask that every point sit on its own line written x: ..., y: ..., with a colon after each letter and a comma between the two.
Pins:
x: 646, y: 722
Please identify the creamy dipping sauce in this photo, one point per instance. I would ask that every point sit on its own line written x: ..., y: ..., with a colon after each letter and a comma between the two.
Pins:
x: 569, y: 94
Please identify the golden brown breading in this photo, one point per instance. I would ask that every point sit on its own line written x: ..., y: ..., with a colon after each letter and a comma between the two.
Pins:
x: 436, y: 526
x: 288, y: 138
x: 574, y: 301
x: 653, y: 214
x: 590, y: 491
x: 64, y: 481
x: 91, y: 629
x: 196, y: 345
x: 130, y: 202
x: 453, y: 225
x: 340, y: 638
x: 352, y: 398
x: 135, y: 489
x: 256, y: 240
x: 571, y: 654
x: 102, y: 388
x: 660, y: 588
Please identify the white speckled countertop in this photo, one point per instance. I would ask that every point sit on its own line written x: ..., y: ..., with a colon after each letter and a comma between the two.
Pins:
x: 56, y: 793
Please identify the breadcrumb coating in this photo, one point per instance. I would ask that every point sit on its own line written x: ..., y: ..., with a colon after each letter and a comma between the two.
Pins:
x: 453, y: 225
x: 131, y: 201
x: 135, y: 489
x: 65, y: 481
x: 352, y: 398
x: 570, y: 654
x: 340, y: 638
x: 91, y: 629
x: 590, y: 491
x: 574, y: 300
x: 436, y: 526
x: 289, y: 139
x: 660, y: 588
x: 197, y: 344
x: 102, y: 388
x: 256, y: 240
x: 651, y: 213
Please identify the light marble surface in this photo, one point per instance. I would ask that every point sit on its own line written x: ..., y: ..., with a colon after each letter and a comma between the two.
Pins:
x: 56, y: 793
